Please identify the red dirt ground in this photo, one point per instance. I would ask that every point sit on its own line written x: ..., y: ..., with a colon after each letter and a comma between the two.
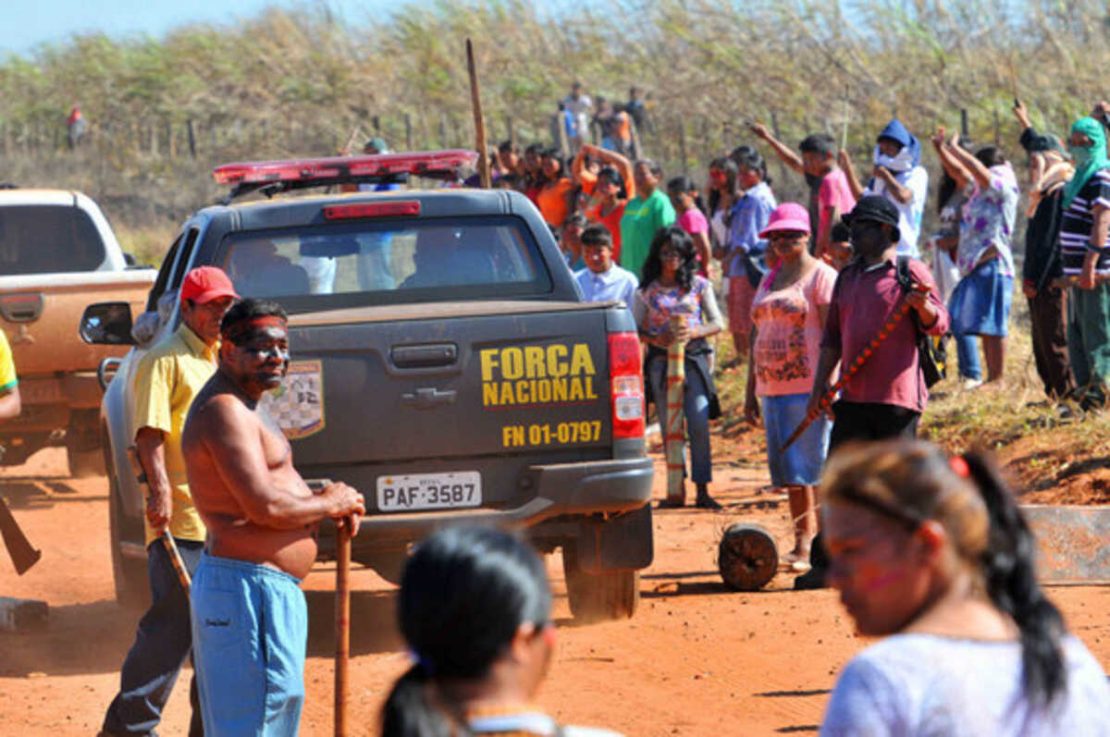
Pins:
x: 695, y: 659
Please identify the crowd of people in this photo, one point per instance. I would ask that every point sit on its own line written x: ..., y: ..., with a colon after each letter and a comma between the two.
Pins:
x: 777, y: 301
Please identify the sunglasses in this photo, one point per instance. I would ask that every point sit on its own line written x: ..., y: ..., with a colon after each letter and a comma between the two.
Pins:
x: 786, y: 235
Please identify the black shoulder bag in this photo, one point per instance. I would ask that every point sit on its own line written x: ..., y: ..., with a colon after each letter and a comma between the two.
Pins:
x: 931, y: 354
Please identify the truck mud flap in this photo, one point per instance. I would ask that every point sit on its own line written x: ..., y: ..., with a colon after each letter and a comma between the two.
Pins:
x: 621, y: 542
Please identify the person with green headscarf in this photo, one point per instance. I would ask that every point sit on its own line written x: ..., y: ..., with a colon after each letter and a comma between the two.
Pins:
x: 1085, y: 256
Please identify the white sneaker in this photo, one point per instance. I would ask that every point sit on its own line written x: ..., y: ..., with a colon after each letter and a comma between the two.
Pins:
x: 969, y: 384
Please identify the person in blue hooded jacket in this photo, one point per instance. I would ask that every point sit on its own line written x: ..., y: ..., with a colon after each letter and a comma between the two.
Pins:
x: 899, y: 177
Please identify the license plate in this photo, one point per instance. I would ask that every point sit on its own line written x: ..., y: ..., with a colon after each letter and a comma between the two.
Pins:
x: 416, y: 492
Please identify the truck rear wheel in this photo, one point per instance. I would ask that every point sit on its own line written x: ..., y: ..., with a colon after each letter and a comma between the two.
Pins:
x: 128, y: 574
x: 596, y: 597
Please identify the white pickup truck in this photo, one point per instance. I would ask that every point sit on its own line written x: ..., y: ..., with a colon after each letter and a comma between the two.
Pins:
x: 57, y: 255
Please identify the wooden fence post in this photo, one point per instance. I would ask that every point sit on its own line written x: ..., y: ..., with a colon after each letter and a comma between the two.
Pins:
x: 682, y: 145
x: 561, y: 135
x: 192, y: 138
x: 637, y: 147
x: 706, y: 145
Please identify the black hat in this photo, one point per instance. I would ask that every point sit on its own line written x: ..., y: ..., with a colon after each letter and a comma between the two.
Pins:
x: 876, y: 209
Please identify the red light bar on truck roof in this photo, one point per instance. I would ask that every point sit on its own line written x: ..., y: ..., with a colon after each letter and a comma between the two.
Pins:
x: 432, y: 164
x: 372, y: 210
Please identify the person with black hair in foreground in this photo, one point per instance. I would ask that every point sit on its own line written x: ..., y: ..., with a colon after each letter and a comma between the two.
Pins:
x: 934, y: 552
x: 475, y: 611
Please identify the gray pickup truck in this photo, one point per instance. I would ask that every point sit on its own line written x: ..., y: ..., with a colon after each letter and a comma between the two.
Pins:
x: 444, y: 363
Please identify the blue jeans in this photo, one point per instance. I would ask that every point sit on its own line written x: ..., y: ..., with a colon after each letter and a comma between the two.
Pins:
x: 967, y: 356
x: 163, y: 642
x: 696, y: 406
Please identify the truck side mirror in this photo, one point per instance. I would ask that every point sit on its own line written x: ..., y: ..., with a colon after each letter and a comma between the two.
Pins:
x: 107, y: 323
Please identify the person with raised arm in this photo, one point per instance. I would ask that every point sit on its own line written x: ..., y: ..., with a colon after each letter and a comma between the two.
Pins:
x: 830, y: 194
x: 980, y: 303
x: 898, y: 176
x: 1041, y: 271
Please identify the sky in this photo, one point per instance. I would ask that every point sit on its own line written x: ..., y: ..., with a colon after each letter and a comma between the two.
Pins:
x: 28, y: 23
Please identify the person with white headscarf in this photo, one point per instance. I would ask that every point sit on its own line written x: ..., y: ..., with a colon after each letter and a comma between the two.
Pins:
x: 899, y: 177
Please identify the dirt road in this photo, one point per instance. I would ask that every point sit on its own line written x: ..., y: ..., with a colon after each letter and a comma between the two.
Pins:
x: 695, y: 660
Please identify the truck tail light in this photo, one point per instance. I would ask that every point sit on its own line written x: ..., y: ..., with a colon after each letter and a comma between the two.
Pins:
x: 372, y: 210
x: 626, y: 380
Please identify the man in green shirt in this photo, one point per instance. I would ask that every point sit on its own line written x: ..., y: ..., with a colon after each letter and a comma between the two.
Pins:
x: 644, y: 215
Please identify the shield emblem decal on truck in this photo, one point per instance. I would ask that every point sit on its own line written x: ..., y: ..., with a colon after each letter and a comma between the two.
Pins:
x: 298, y: 404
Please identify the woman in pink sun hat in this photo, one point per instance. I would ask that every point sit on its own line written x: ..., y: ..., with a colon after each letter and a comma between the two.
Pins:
x: 788, y: 314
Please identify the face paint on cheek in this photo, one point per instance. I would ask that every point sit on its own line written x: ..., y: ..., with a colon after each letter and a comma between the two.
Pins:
x: 872, y: 578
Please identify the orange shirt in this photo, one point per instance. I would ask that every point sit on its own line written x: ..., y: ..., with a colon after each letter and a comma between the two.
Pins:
x: 552, y: 201
x: 623, y: 128
x: 587, y: 180
x: 612, y: 223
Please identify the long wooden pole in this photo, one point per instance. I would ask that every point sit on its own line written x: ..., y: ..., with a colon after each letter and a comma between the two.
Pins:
x: 342, y: 623
x: 675, y: 437
x: 479, y: 121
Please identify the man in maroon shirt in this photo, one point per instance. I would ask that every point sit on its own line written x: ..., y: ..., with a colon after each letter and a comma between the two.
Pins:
x: 886, y: 397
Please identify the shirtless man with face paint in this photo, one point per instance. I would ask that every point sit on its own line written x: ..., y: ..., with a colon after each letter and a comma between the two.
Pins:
x: 250, y: 622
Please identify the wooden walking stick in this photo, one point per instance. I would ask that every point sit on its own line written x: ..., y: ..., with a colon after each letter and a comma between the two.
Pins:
x: 852, y: 368
x: 165, y: 538
x: 479, y: 121
x: 177, y: 561
x: 675, y: 431
x: 342, y: 622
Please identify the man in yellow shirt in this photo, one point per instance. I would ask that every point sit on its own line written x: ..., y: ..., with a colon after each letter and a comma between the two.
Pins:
x: 166, y: 380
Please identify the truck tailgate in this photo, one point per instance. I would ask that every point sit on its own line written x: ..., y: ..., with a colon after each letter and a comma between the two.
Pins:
x: 41, y: 315
x: 469, y: 393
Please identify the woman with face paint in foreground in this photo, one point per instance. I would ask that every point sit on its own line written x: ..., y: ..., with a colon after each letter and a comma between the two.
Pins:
x: 933, y: 553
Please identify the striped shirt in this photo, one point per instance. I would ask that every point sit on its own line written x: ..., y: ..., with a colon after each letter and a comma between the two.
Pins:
x: 1077, y: 221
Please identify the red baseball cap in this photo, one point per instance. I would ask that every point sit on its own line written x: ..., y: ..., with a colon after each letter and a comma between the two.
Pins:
x: 206, y: 283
